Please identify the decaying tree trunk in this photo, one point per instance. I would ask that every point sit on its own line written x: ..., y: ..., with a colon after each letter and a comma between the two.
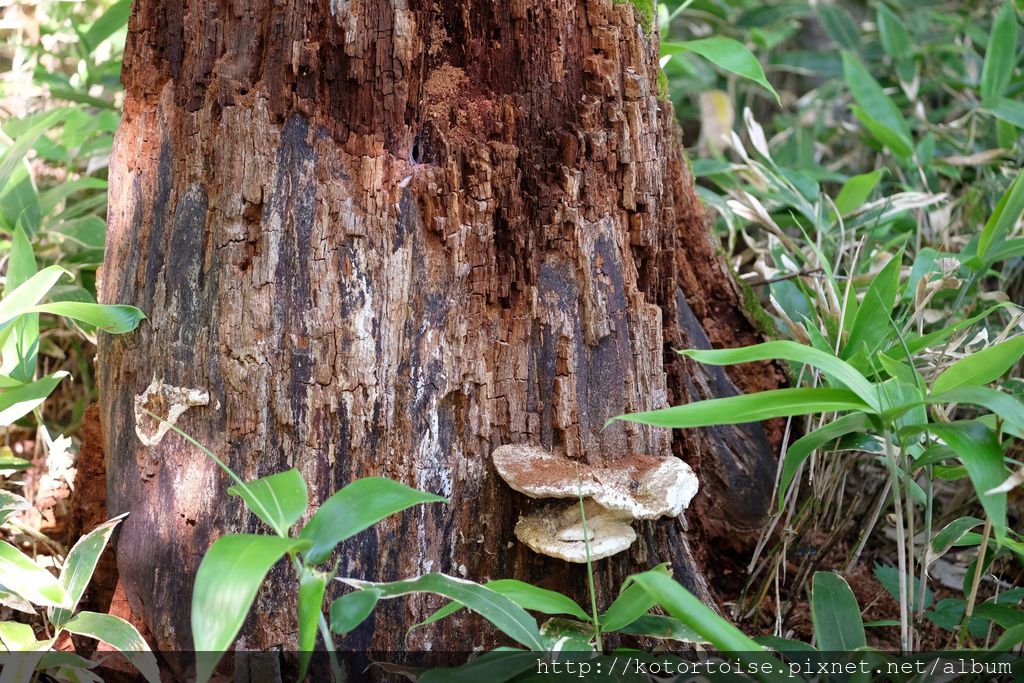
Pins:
x: 386, y: 239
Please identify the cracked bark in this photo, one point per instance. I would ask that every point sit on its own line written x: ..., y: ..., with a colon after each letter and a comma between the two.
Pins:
x: 386, y: 238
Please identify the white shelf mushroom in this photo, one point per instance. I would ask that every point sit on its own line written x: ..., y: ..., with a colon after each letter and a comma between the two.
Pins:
x: 636, y: 487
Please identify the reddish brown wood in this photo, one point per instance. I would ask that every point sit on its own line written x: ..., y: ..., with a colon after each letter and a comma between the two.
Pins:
x: 387, y: 238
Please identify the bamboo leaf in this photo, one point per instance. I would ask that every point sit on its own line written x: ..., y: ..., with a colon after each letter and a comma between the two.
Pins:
x: 312, y: 586
x: 802, y: 448
x: 356, y: 507
x: 279, y: 500
x: 500, y: 611
x: 837, y: 622
x: 23, y: 577
x: 832, y: 367
x: 115, y: 319
x: 982, y: 456
x: 120, y: 635
x: 857, y: 189
x: 876, y: 109
x: 981, y: 367
x: 684, y: 606
x: 20, y: 401
x: 229, y: 576
x: 726, y: 53
x: 1001, y: 54
x: 745, y: 408
x: 1008, y: 210
x: 80, y: 565
x: 352, y: 609
x: 949, y: 536
x: 871, y: 325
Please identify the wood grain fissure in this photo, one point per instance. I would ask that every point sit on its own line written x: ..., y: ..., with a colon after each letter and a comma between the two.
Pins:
x: 387, y: 237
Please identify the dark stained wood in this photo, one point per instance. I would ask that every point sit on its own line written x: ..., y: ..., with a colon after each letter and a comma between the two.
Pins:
x: 387, y: 238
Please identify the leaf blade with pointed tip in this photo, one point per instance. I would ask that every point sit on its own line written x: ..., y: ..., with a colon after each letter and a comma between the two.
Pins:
x: 311, y: 600
x: 352, y: 609
x: 745, y: 408
x: 802, y: 448
x: 982, y: 456
x: 20, y: 401
x: 80, y: 565
x: 876, y: 109
x: 837, y: 622
x: 279, y: 500
x: 356, y: 507
x: 25, y: 578
x: 229, y: 576
x: 1000, y: 55
x: 981, y: 367
x: 729, y: 54
x: 832, y: 367
x: 119, y: 634
x: 500, y: 611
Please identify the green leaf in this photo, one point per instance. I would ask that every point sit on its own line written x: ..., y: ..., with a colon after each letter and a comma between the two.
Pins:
x: 14, y: 155
x: 229, y: 576
x: 18, y: 402
x: 356, y: 507
x: 892, y: 33
x: 839, y: 26
x: 80, y: 565
x: 694, y: 614
x: 832, y: 367
x: 1010, y: 639
x: 784, y: 644
x: 657, y: 626
x: 50, y: 199
x: 856, y: 191
x: 837, y: 622
x: 115, y: 18
x: 1009, y: 408
x: 949, y: 536
x: 1010, y: 111
x: 802, y: 448
x: 20, y: 349
x: 1001, y: 54
x: 982, y: 455
x: 352, y: 609
x: 889, y: 577
x: 1002, y: 220
x: 538, y: 599
x: 18, y: 637
x: 632, y: 603
x: 525, y: 595
x: 876, y: 110
x: 311, y: 601
x: 114, y: 319
x: 981, y: 367
x: 279, y: 500
x: 497, y: 666
x: 726, y: 53
x: 29, y: 293
x: 120, y: 635
x: 871, y: 326
x: 749, y: 408
x: 26, y: 579
x: 500, y: 611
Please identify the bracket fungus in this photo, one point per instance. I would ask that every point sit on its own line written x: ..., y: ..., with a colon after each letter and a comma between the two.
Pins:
x: 637, y: 487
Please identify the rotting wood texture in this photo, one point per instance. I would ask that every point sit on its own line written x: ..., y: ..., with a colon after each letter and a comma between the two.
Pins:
x: 387, y: 238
